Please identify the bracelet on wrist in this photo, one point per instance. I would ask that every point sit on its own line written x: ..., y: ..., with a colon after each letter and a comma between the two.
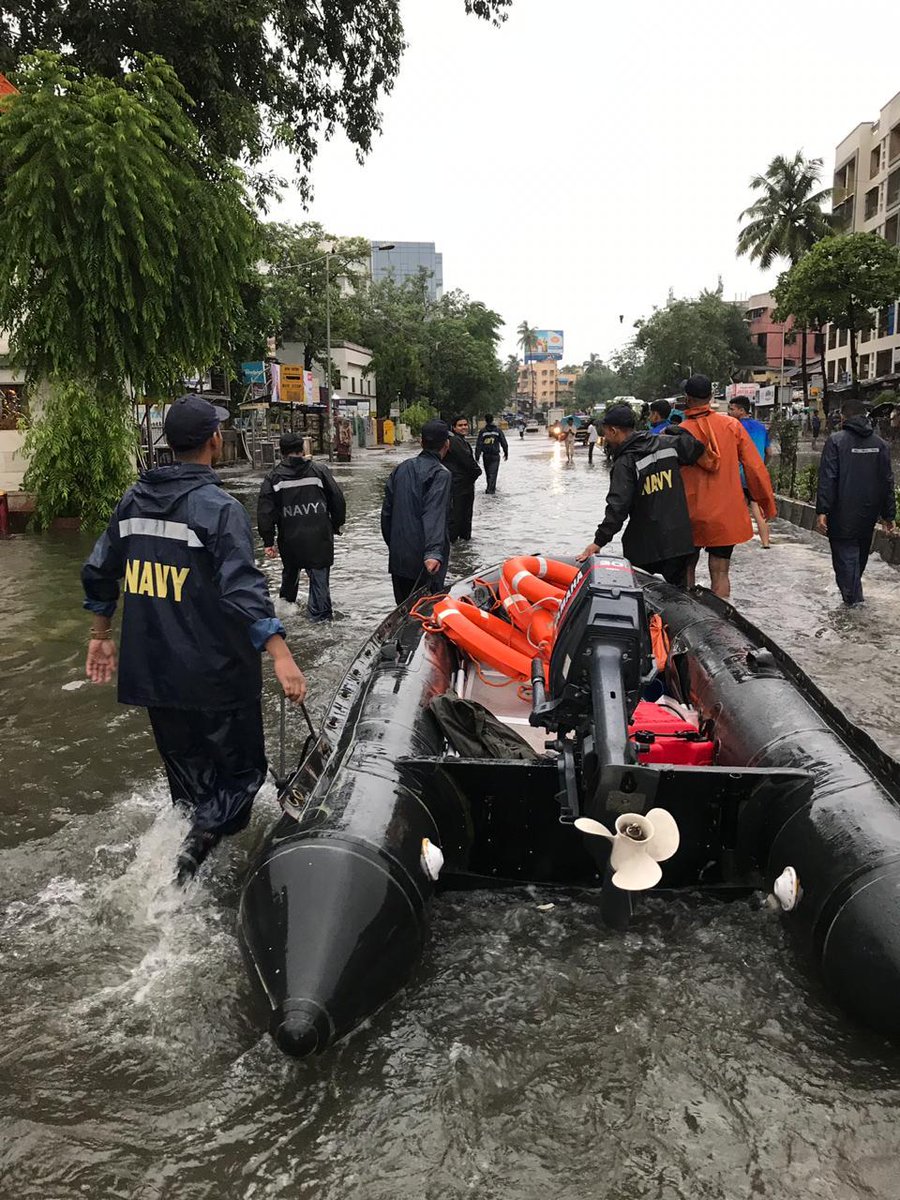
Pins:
x: 101, y: 637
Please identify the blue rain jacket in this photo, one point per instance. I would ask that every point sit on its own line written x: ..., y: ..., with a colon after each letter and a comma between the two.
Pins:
x: 415, y: 515
x: 196, y: 610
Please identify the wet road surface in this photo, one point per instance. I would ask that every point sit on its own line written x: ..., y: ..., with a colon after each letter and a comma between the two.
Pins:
x: 533, y: 1052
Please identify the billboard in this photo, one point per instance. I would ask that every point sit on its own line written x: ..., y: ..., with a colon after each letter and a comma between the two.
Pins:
x: 548, y: 344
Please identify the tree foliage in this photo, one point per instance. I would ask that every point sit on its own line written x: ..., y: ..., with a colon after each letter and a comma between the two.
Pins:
x: 81, y: 455
x: 704, y: 335
x: 597, y: 385
x: 842, y: 281
x: 122, y: 240
x: 441, y: 351
x: 262, y: 75
x: 295, y: 282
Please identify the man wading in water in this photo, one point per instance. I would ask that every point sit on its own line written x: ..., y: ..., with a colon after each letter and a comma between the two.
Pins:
x: 196, y: 615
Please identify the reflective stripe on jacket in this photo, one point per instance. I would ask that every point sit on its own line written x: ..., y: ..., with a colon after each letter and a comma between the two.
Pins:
x: 196, y: 610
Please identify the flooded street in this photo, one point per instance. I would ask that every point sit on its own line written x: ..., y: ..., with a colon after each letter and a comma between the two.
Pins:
x: 533, y: 1053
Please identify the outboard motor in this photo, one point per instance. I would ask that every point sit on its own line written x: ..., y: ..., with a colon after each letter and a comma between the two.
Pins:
x: 601, y: 659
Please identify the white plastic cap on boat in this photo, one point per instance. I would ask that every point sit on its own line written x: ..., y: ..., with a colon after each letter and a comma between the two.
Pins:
x: 431, y: 859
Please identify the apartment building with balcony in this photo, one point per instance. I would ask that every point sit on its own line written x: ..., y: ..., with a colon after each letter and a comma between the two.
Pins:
x: 866, y: 198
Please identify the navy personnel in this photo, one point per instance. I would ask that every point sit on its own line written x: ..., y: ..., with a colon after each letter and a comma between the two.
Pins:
x: 460, y: 462
x: 856, y: 489
x: 491, y: 441
x: 415, y: 515
x: 195, y: 616
x: 302, y: 501
x: 645, y: 489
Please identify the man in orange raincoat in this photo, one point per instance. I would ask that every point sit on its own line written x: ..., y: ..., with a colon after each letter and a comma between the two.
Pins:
x: 720, y: 518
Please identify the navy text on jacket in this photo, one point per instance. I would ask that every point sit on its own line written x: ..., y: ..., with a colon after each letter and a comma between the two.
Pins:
x: 196, y: 611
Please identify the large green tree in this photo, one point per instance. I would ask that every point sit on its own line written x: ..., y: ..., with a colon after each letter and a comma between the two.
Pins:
x: 263, y: 74
x: 296, y: 284
x: 123, y: 244
x: 123, y: 241
x: 843, y: 281
x: 704, y: 335
x: 786, y: 220
x: 597, y: 385
x: 440, y: 352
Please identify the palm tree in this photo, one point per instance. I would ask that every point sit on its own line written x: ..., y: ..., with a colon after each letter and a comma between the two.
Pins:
x: 786, y: 219
x: 528, y: 341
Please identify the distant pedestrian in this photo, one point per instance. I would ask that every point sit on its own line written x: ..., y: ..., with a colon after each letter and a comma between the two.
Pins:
x: 301, y: 506
x: 491, y: 441
x: 645, y: 488
x: 196, y: 615
x: 815, y: 422
x: 856, y: 489
x: 593, y: 439
x: 415, y: 515
x: 719, y: 515
x: 660, y: 412
x: 569, y: 441
x: 739, y: 408
x: 461, y: 464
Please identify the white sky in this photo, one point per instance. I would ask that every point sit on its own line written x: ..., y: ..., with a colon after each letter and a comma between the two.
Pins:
x: 590, y: 154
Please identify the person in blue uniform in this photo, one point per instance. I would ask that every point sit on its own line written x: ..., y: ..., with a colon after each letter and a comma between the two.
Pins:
x: 491, y: 441
x: 856, y: 489
x: 196, y: 616
x: 660, y: 411
x: 415, y: 515
x: 303, y: 504
x: 739, y: 408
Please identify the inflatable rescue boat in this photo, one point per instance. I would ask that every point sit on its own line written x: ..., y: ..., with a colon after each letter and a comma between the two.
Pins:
x: 545, y: 723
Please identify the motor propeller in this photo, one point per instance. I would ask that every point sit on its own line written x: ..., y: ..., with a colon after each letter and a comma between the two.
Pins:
x: 640, y: 843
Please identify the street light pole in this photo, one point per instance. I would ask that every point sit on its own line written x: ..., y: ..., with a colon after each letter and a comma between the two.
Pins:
x: 329, y: 424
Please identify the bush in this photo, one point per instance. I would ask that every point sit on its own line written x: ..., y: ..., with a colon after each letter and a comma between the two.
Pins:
x: 416, y: 415
x: 81, y: 451
x: 807, y: 483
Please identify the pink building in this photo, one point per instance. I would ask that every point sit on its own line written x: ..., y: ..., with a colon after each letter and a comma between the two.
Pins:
x: 775, y: 338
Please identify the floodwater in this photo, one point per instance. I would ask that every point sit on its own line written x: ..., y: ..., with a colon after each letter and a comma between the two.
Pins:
x: 533, y: 1053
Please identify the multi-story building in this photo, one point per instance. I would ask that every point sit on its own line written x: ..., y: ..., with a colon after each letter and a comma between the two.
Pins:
x: 540, y: 381
x: 866, y: 198
x: 403, y: 260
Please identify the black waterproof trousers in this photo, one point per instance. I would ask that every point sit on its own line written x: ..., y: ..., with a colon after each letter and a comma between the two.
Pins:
x: 461, y: 514
x: 491, y: 468
x: 215, y: 762
x: 404, y: 588
x: 849, y: 558
x: 319, y: 604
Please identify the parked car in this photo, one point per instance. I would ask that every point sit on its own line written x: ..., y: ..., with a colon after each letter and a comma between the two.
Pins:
x: 532, y: 426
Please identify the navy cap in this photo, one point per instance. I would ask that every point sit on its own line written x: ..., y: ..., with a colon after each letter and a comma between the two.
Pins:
x: 434, y: 433
x: 191, y: 421
x: 698, y: 387
x: 291, y: 443
x: 620, y: 416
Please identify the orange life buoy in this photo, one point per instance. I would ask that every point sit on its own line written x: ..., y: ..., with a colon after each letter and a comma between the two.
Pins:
x: 482, y: 639
x: 531, y: 588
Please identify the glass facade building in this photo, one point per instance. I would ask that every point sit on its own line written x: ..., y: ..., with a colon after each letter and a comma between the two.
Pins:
x: 403, y: 261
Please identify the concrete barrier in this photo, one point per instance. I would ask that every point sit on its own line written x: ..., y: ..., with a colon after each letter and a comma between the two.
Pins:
x: 886, y: 545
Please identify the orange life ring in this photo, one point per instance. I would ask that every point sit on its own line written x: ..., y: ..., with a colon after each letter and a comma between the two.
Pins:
x: 480, y: 638
x: 531, y: 589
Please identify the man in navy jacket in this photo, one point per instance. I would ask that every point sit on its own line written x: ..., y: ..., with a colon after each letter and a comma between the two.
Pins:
x: 301, y: 501
x: 491, y: 441
x: 196, y: 614
x: 856, y: 489
x: 415, y: 515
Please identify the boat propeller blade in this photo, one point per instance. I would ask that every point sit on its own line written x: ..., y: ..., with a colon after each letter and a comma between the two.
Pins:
x: 589, y: 825
x: 639, y: 845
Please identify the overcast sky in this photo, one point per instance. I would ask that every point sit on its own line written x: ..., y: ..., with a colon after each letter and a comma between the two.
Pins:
x: 587, y: 156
